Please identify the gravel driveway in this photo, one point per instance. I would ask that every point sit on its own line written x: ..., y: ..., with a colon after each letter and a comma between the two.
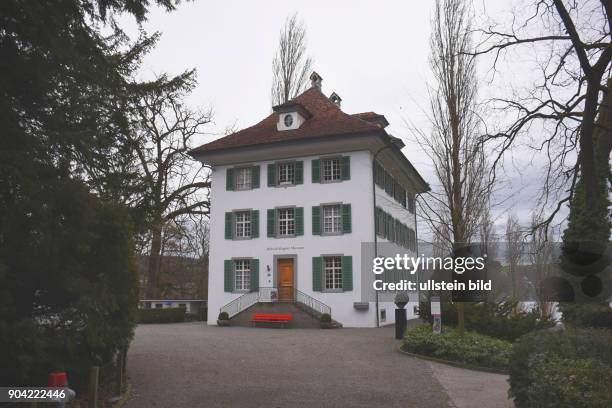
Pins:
x: 194, y: 365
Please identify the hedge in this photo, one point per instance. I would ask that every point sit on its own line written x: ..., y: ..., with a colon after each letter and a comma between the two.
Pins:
x: 491, y: 319
x: 537, y: 367
x: 471, y: 349
x: 569, y: 383
x: 586, y: 315
x: 169, y: 315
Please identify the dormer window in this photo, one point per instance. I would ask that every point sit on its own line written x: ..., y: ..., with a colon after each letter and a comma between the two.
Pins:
x: 291, y: 115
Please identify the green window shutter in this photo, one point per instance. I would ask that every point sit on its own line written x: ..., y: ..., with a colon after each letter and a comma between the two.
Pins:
x: 271, y: 175
x: 388, y: 219
x: 299, y: 172
x: 228, y: 278
x: 255, y: 224
x: 345, y: 167
x: 347, y: 273
x: 299, y: 221
x: 317, y: 278
x: 254, y: 275
x: 316, y: 171
x: 255, y: 177
x: 376, y: 220
x: 346, y: 218
x: 396, y: 230
x: 229, y: 179
x: 229, y: 230
x: 316, y: 220
x: 271, y: 223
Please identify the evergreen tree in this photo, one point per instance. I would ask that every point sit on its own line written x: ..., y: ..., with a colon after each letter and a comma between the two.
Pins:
x: 68, y: 287
x: 587, y: 236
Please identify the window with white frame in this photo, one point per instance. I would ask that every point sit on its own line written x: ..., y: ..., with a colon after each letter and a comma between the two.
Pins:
x: 331, y: 169
x: 333, y: 272
x: 286, y: 221
x: 242, y: 271
x: 244, y: 178
x: 286, y: 173
x: 242, y: 222
x: 332, y: 219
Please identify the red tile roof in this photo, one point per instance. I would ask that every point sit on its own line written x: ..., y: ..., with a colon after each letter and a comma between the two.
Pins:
x: 327, y: 119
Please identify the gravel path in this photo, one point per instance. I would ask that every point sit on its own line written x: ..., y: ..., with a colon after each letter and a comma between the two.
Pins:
x: 193, y: 365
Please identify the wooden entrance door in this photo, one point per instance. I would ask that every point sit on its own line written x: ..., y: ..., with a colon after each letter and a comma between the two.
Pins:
x: 286, y: 278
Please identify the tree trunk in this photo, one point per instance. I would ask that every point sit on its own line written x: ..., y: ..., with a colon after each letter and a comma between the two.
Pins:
x: 154, y: 261
x: 461, y: 318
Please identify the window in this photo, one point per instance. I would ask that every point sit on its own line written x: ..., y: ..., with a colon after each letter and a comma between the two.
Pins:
x: 242, y: 270
x: 411, y: 203
x: 333, y: 272
x: 286, y: 172
x: 159, y: 305
x: 244, y: 178
x: 242, y: 220
x: 331, y: 170
x: 286, y: 222
x: 182, y: 305
x: 332, y: 219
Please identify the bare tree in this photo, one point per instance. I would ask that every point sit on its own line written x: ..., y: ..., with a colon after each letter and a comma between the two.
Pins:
x: 488, y: 239
x: 541, y: 252
x: 454, y: 209
x: 291, y: 66
x: 570, y: 42
x: 515, y: 247
x: 172, y: 184
x: 454, y: 145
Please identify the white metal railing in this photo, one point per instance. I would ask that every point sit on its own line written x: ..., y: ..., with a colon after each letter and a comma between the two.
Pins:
x: 312, y: 303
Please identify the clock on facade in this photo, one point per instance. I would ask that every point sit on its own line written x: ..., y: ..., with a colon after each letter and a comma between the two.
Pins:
x: 288, y: 120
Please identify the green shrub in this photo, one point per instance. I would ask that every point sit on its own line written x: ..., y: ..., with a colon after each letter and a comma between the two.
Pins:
x: 170, y: 315
x: 569, y: 383
x: 489, y: 318
x: 471, y: 349
x: 192, y: 317
x: 223, y: 316
x: 326, y: 318
x: 579, y: 345
x: 68, y: 285
x: 586, y: 315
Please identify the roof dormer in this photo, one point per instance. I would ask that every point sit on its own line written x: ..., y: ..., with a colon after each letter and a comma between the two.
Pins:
x: 316, y: 80
x: 291, y: 115
x: 336, y: 99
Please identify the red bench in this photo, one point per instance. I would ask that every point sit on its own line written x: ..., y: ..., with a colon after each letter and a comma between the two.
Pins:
x: 282, y: 318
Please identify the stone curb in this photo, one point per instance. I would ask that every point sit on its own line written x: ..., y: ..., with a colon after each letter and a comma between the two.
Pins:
x: 454, y: 363
x: 124, y: 398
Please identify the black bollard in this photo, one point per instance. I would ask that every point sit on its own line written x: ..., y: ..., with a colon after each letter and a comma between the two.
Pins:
x: 400, y: 323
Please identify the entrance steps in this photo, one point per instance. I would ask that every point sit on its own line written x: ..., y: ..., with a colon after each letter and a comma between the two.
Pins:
x: 303, y: 316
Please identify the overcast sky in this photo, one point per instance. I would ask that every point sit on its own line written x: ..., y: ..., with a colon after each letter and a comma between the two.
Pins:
x: 373, y: 54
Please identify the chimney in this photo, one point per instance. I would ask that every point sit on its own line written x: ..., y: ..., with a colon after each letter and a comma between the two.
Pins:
x: 316, y: 80
x: 336, y: 99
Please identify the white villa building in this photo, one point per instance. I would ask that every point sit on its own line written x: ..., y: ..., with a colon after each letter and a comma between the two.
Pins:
x: 294, y: 197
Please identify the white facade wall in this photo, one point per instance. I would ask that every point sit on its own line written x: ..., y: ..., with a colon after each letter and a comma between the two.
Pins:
x: 357, y: 191
x: 395, y: 209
